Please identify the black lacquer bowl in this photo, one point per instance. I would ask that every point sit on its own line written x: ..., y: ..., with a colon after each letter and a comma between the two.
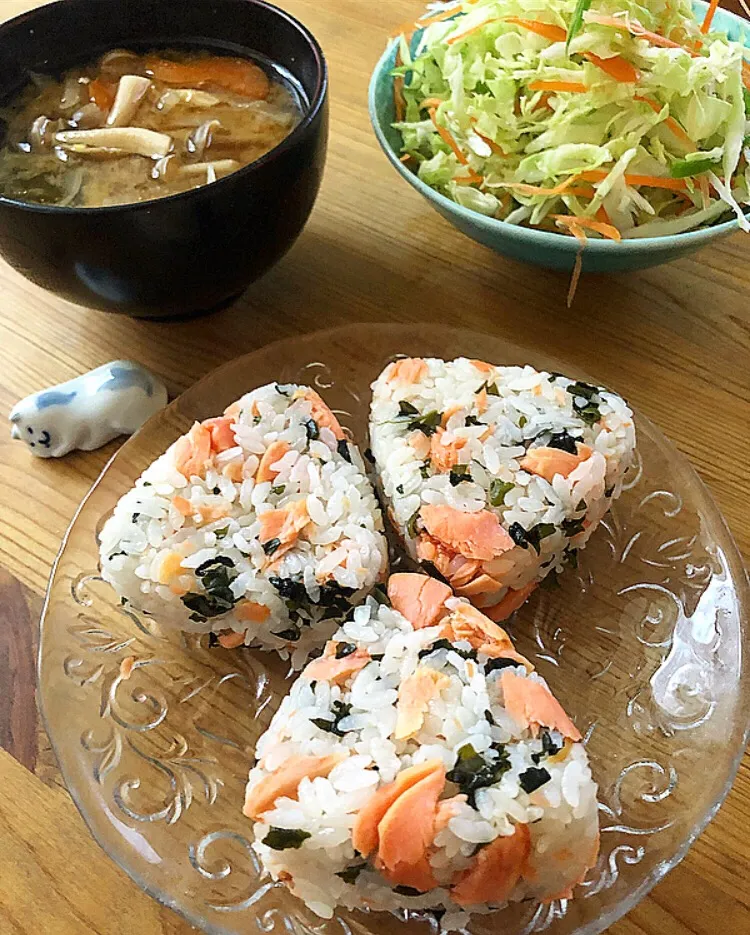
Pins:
x: 190, y: 252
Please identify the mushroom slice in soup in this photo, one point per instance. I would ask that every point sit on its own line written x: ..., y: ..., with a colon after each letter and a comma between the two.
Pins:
x: 136, y: 140
x: 130, y: 92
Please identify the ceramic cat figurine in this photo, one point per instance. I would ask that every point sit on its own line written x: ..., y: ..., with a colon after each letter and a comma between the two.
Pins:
x: 88, y: 411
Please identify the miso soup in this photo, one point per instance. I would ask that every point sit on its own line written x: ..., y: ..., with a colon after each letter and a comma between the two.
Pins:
x: 136, y: 127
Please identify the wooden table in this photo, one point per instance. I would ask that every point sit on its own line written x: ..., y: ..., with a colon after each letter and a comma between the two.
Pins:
x: 675, y: 340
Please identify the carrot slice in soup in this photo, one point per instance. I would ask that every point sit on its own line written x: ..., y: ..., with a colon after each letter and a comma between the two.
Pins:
x: 232, y: 74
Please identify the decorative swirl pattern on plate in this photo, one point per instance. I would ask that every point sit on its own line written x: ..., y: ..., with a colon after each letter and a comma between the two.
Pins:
x: 155, y: 731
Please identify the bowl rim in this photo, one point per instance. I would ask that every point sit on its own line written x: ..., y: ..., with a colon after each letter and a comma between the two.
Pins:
x: 671, y: 243
x: 316, y: 103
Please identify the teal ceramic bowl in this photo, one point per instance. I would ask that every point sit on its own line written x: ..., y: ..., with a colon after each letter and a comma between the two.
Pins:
x: 554, y: 251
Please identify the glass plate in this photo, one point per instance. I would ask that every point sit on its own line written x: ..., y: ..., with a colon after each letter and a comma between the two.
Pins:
x: 642, y: 643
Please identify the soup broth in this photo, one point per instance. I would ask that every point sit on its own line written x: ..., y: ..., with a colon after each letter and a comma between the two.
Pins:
x: 135, y: 127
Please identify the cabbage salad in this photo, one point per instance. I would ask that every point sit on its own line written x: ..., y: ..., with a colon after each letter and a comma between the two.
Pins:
x: 610, y: 118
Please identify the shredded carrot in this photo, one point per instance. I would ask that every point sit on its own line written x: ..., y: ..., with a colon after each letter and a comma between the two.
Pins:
x: 544, y: 101
x: 446, y: 137
x: 601, y: 215
x: 438, y: 17
x: 405, y: 158
x: 546, y: 30
x: 490, y: 142
x: 473, y: 179
x: 540, y: 85
x: 635, y: 29
x: 669, y: 122
x: 708, y: 18
x: 577, y: 266
x: 431, y: 102
x: 650, y: 181
x: 571, y: 222
x: 525, y: 189
x: 616, y: 67
x: 457, y: 37
x: 102, y: 93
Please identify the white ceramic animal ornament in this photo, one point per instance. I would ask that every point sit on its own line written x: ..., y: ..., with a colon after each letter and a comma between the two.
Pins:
x: 88, y: 411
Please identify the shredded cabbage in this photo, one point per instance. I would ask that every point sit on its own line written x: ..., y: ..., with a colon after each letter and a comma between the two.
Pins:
x: 613, y: 111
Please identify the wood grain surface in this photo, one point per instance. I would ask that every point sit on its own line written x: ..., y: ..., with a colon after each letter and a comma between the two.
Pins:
x: 674, y: 340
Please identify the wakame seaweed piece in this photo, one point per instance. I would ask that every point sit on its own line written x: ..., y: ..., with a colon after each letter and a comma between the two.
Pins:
x: 312, y: 430
x: 381, y: 595
x: 473, y: 420
x: 290, y: 588
x: 532, y: 778
x: 406, y: 410
x: 213, y: 640
x: 400, y: 489
x: 425, y: 470
x: 473, y: 772
x: 535, y: 535
x: 342, y: 446
x: 351, y: 873
x: 588, y: 411
x: 345, y: 649
x: 271, y: 545
x: 490, y: 388
x: 340, y: 710
x: 499, y: 490
x: 215, y: 575
x: 281, y: 839
x: 491, y: 665
x: 446, y: 644
x: 336, y: 600
x: 458, y: 474
x: 563, y: 441
x: 585, y: 390
x: 291, y: 634
x: 590, y: 414
x: 433, y: 572
x: 407, y: 890
x: 369, y: 456
x: 572, y: 527
x: 549, y: 747
x: 518, y: 535
x: 571, y: 556
x: 278, y: 490
x: 426, y: 424
x: 411, y: 526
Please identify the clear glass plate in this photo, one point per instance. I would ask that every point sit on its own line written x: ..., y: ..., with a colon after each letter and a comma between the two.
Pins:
x: 642, y: 643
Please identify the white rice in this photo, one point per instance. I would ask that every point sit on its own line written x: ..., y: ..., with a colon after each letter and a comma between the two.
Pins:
x: 339, y: 556
x: 321, y: 867
x: 548, y: 520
